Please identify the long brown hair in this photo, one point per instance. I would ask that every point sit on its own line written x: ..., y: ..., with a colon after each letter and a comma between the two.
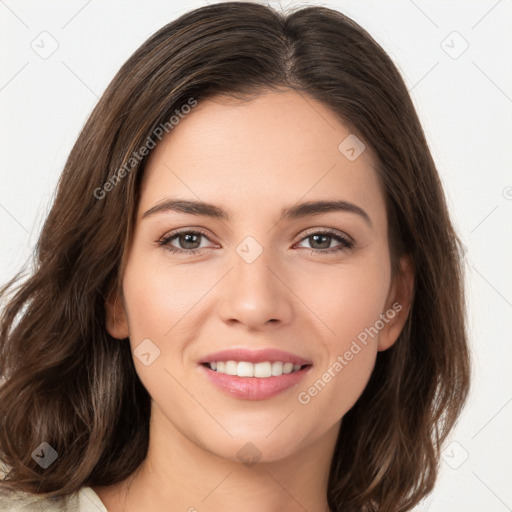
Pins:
x: 70, y: 384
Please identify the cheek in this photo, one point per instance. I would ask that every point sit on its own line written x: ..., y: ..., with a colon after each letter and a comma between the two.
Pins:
x: 159, y: 302
x: 350, y: 301
x: 159, y: 297
x: 167, y: 304
x: 153, y: 308
x: 347, y: 298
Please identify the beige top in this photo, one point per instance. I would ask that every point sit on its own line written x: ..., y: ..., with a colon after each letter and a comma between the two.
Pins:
x: 84, y: 500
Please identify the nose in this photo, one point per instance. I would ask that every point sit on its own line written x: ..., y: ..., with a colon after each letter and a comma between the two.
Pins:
x: 255, y: 294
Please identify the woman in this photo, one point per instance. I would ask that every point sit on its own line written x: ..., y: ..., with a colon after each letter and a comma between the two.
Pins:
x: 248, y: 291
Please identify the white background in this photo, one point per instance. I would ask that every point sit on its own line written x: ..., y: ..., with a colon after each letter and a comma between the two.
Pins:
x: 465, y: 104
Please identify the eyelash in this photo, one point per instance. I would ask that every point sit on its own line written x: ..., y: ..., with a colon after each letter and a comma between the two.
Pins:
x: 345, y: 242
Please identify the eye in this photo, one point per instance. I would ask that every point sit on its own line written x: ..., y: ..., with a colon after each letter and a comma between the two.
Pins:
x: 190, y: 242
x: 320, y: 242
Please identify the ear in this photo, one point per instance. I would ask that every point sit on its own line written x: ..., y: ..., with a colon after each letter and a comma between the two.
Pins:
x: 116, y: 319
x: 398, y: 304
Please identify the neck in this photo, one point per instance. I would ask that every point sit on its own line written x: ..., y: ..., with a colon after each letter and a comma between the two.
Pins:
x: 178, y: 475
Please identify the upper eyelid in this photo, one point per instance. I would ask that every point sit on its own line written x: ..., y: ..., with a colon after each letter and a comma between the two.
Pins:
x: 329, y: 231
x: 171, y: 234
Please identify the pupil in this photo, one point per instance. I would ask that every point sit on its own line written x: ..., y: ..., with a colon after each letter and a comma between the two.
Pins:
x: 324, y: 245
x: 189, y: 239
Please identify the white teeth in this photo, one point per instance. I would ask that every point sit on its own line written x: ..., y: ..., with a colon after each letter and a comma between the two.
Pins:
x: 277, y: 368
x: 260, y: 370
x: 231, y: 367
x: 288, y: 368
x: 245, y: 369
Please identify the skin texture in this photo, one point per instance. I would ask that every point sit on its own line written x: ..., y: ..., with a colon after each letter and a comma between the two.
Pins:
x: 253, y: 159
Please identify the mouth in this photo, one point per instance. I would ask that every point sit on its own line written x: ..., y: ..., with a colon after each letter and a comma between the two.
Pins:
x: 263, y: 370
x: 254, y: 375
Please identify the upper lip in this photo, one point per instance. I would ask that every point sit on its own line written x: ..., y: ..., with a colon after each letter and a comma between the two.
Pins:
x: 254, y: 356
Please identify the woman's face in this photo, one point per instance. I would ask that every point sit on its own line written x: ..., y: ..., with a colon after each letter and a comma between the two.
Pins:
x: 266, y: 272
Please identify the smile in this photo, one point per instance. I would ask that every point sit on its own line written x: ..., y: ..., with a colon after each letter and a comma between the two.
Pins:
x: 254, y: 375
x: 262, y: 370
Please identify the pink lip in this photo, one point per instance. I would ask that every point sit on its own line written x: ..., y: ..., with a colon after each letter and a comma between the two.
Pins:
x: 254, y: 388
x: 254, y: 356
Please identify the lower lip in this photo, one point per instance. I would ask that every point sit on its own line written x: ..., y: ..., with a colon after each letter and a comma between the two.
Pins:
x: 254, y: 388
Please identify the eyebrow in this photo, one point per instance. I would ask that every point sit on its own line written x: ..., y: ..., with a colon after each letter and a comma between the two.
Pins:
x: 294, y: 212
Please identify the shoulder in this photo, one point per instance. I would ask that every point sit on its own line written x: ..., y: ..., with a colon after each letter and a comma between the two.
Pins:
x: 84, y: 500
x: 19, y: 501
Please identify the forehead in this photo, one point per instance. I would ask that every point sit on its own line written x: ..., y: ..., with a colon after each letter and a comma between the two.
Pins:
x: 280, y: 147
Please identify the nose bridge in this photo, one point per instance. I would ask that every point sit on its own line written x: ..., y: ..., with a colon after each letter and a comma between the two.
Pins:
x: 253, y: 294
